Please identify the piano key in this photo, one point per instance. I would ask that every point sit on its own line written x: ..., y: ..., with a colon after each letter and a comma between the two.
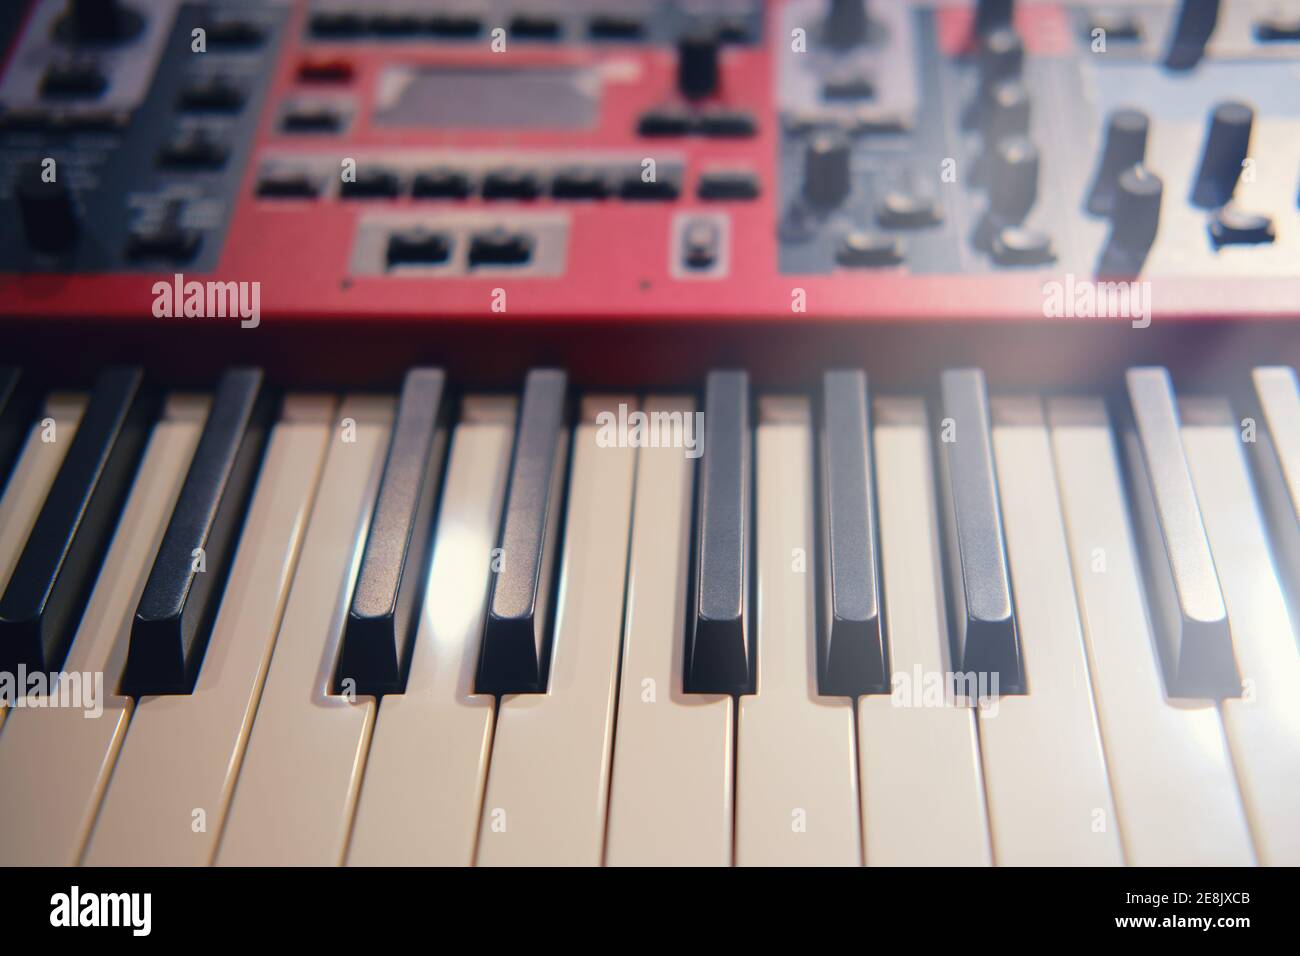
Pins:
x: 184, y: 751
x: 51, y: 582
x: 549, y: 779
x: 1045, y: 776
x: 377, y: 637
x: 514, y: 652
x: 1277, y: 465
x: 986, y: 638
x: 853, y: 656
x: 427, y: 768
x: 922, y: 788
x: 55, y: 761
x: 174, y: 619
x: 17, y: 405
x: 719, y: 651
x: 302, y: 766
x: 1263, y: 724
x: 796, y: 767
x: 1186, y: 604
x: 670, y: 794
x: 1168, y: 762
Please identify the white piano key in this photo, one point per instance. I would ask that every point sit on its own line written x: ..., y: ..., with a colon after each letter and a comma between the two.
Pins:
x: 796, y: 764
x: 302, y: 768
x: 1045, y: 774
x: 1263, y: 724
x: 57, y: 761
x: 549, y: 779
x: 171, y: 787
x: 1276, y: 460
x: 428, y: 760
x: 922, y: 788
x: 1168, y: 761
x: 31, y: 478
x: 670, y: 794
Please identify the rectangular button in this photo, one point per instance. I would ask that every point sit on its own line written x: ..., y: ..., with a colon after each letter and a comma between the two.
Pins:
x: 796, y: 782
x: 922, y: 787
x: 52, y: 580
x: 184, y: 751
x: 174, y: 619
x: 427, y: 768
x: 852, y: 656
x: 46, y: 817
x: 719, y: 651
x: 549, y: 777
x: 377, y: 638
x: 1168, y: 762
x: 1191, y: 622
x: 670, y: 801
x: 986, y: 640
x: 515, y: 646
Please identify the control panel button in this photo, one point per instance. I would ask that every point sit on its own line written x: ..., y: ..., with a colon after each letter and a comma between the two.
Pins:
x: 849, y: 85
x: 581, y: 183
x: 663, y: 188
x: 50, y: 220
x: 500, y: 247
x: 1005, y: 110
x: 728, y: 184
x: 859, y: 249
x: 194, y: 149
x: 167, y: 240
x: 1018, y: 246
x: 615, y: 27
x: 234, y: 35
x: 697, y: 64
x: 335, y: 24
x: 288, y: 184
x: 212, y: 94
x: 418, y: 246
x: 701, y: 244
x: 1135, y: 210
x: 394, y: 24
x: 534, y: 27
x: 1125, y: 147
x: 1115, y: 25
x: 1282, y: 24
x: 668, y: 121
x: 441, y: 183
x: 73, y: 80
x: 826, y: 179
x: 312, y: 118
x: 1013, y: 179
x: 455, y: 26
x: 727, y: 123
x: 1233, y: 226
x: 846, y: 23
x: 1227, y: 141
x: 98, y: 22
x: 900, y: 209
x: 372, y: 182
x: 511, y: 184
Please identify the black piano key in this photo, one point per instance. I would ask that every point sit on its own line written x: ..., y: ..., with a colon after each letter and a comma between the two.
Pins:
x: 56, y: 571
x: 380, y: 627
x: 719, y: 658
x: 985, y: 637
x: 853, y: 655
x: 514, y: 657
x: 17, y: 406
x: 1186, y: 603
x: 174, y: 618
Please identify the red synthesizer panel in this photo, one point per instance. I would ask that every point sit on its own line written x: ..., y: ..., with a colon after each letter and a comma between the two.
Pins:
x: 620, y: 258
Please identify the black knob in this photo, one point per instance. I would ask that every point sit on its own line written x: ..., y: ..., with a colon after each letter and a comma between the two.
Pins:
x: 1135, y: 209
x: 1001, y: 56
x: 1013, y: 179
x: 1005, y: 111
x: 697, y: 64
x: 1126, y: 146
x: 846, y: 23
x: 49, y: 218
x: 1192, y: 29
x: 1226, y: 143
x: 826, y: 179
x: 99, y: 21
x: 992, y: 14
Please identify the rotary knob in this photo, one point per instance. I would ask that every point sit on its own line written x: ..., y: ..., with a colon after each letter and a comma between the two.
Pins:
x: 1227, y: 142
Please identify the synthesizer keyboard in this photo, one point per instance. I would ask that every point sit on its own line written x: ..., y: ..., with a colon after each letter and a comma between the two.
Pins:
x: 951, y: 626
x: 844, y: 432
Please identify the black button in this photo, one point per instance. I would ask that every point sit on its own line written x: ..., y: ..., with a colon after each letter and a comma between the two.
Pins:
x: 582, y: 183
x: 168, y: 241
x: 212, y: 94
x: 859, y: 248
x: 26, y: 120
x: 1233, y: 226
x: 1278, y: 25
x: 728, y: 184
x: 1017, y: 246
x: 73, y: 81
x: 727, y: 123
x: 1227, y: 143
x: 1117, y: 25
x: 441, y: 184
x: 372, y: 183
x: 697, y: 64
x: 394, y: 24
x: 904, y: 210
x: 194, y: 149
x: 525, y: 27
x: 615, y: 27
x: 662, y: 188
x: 288, y: 184
x: 731, y: 30
x: 701, y: 240
x: 337, y: 24
x: 511, y: 184
x: 418, y: 246
x: 312, y: 118
x: 851, y: 85
x: 454, y: 26
x: 500, y: 247
x: 326, y: 70
x: 664, y: 122
x: 234, y: 34
x: 50, y: 219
